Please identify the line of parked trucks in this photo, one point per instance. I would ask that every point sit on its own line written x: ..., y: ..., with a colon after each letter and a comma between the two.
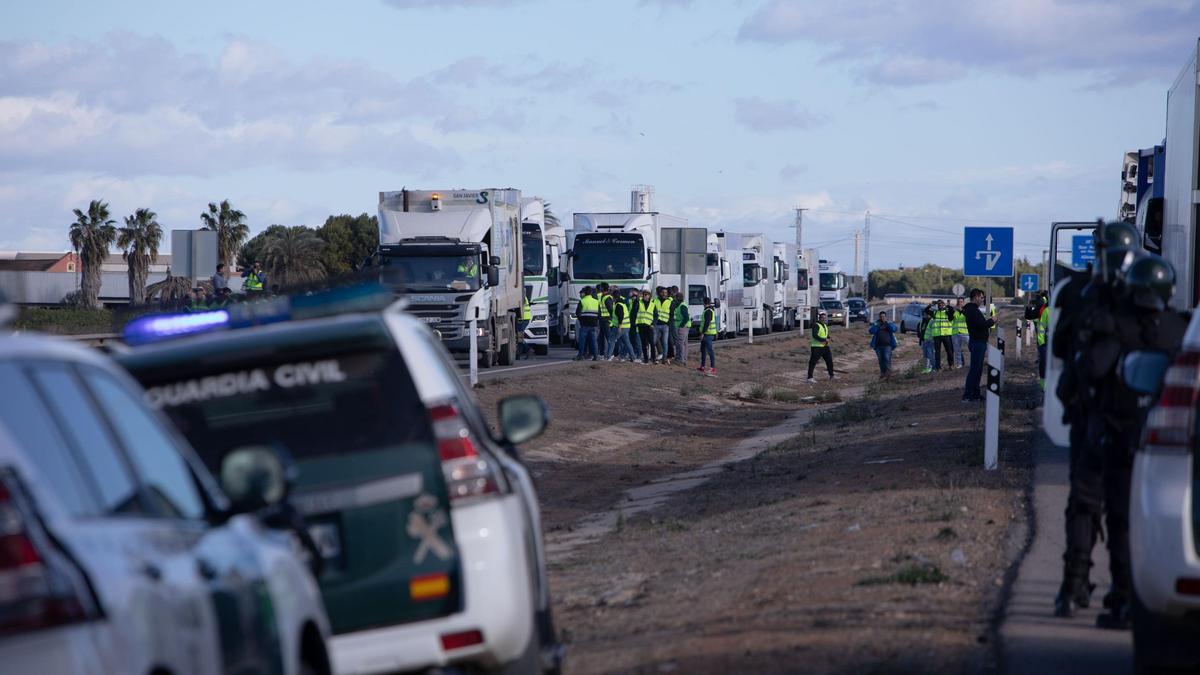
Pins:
x: 467, y: 261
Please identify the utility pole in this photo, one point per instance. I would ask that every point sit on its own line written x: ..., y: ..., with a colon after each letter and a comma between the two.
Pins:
x: 867, y: 258
x: 799, y: 223
x: 857, y: 241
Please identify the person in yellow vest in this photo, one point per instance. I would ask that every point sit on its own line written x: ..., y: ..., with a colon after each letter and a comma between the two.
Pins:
x: 644, y: 320
x: 708, y: 334
x: 819, y: 347
x: 607, y: 329
x: 681, y: 324
x: 1043, y: 325
x: 662, y: 324
x: 589, y: 318
x: 943, y: 332
x: 526, y: 316
x: 621, y: 321
x: 961, y: 336
x: 254, y: 280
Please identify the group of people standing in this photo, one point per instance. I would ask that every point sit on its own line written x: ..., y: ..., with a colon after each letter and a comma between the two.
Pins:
x: 944, y: 329
x: 632, y: 326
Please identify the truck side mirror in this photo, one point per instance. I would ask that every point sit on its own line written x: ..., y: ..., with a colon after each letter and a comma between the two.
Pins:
x: 495, y: 261
x: 493, y: 275
x: 564, y: 276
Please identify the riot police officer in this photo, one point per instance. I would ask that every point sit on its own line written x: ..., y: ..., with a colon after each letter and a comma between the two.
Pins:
x: 1085, y: 304
x: 1143, y: 321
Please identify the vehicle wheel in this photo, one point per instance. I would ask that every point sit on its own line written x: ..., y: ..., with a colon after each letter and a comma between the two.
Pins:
x: 508, y: 355
x: 1162, y: 645
x: 530, y: 660
x: 488, y: 358
x: 902, y: 328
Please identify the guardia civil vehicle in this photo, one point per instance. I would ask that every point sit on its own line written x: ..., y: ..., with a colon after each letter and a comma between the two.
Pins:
x: 119, y: 552
x: 428, y: 524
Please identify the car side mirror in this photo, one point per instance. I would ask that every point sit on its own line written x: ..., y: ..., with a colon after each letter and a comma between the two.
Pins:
x: 1143, y: 371
x: 493, y: 276
x: 523, y: 418
x: 255, y: 477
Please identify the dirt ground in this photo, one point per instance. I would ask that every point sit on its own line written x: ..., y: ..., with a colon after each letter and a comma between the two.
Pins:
x: 870, y: 541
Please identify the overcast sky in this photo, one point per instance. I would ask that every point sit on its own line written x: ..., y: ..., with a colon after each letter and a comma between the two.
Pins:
x: 929, y: 113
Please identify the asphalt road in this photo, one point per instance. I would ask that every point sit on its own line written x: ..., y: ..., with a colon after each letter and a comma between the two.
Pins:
x: 1033, y: 639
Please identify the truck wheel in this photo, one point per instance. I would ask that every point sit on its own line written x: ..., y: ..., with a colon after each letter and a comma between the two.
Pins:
x: 508, y: 355
x: 488, y: 358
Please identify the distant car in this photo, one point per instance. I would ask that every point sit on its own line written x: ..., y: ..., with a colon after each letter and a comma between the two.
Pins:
x: 835, y: 309
x: 429, y: 524
x: 859, y: 311
x: 118, y: 553
x: 1164, y: 510
x: 911, y: 318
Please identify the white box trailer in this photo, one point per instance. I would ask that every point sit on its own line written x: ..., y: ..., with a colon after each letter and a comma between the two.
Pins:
x: 539, y: 258
x: 1181, y: 190
x: 808, y: 288
x: 456, y: 255
x: 728, y: 247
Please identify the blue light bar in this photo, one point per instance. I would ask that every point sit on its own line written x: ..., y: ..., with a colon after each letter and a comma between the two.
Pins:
x: 148, y: 329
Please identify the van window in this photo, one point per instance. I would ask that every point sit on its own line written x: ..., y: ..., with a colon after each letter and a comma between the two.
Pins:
x: 77, y: 416
x: 337, y: 403
x: 33, y: 428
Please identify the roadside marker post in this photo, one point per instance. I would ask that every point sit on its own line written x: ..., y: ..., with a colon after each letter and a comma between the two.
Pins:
x: 751, y: 334
x: 991, y: 424
x: 1000, y: 344
x: 474, y: 370
x: 1018, y: 340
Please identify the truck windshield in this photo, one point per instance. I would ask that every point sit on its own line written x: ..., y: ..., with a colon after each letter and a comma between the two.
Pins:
x: 802, y: 279
x: 533, y: 258
x: 416, y: 273
x: 748, y: 274
x: 300, y: 404
x: 832, y: 281
x: 609, y: 256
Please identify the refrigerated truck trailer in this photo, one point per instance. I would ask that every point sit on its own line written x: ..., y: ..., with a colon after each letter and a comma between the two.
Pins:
x: 758, y: 296
x: 807, y: 286
x: 456, y: 255
x: 1181, y: 183
x: 538, y: 258
x: 787, y: 291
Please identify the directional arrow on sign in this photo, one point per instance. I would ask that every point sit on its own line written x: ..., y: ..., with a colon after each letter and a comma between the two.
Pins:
x: 990, y: 257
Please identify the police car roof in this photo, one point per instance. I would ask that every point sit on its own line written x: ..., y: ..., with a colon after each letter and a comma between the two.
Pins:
x: 205, y: 351
x: 49, y: 347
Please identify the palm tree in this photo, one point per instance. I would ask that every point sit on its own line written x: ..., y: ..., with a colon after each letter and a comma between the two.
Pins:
x: 550, y: 219
x: 294, y: 256
x: 231, y: 229
x: 139, y: 239
x: 91, y: 235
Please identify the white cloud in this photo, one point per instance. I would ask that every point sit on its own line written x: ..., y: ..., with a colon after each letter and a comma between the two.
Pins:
x: 910, y: 42
x: 757, y: 114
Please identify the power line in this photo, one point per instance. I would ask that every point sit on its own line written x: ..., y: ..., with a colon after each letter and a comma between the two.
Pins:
x: 952, y: 219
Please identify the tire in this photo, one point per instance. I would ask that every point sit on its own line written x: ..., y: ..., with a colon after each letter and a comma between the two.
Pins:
x: 488, y: 358
x: 508, y: 355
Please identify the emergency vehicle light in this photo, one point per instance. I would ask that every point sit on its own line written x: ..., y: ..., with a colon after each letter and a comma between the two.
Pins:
x: 152, y: 328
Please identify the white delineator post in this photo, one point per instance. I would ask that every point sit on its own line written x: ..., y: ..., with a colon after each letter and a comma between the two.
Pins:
x: 474, y: 369
x: 1018, y: 340
x: 991, y: 424
x: 751, y: 334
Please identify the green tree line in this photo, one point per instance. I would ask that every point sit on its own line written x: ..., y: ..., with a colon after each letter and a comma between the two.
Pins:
x: 938, y: 280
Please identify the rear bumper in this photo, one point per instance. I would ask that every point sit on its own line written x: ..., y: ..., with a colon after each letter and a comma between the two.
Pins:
x: 497, y: 597
x: 1161, y: 539
x: 83, y: 648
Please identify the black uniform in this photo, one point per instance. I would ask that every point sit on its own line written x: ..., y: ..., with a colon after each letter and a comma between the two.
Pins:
x: 1081, y: 304
x: 1123, y: 413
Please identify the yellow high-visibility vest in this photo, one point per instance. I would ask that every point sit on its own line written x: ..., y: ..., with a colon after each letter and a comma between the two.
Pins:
x: 941, y: 325
x: 526, y: 311
x: 645, y: 315
x: 710, y: 316
x: 589, y: 306
x: 820, y: 336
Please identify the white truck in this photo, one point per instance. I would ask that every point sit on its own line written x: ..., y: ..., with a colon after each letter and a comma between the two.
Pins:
x: 1181, y: 189
x: 556, y: 245
x: 807, y: 287
x: 639, y: 249
x: 456, y: 255
x: 758, y: 297
x: 787, y: 292
x: 728, y: 281
x: 834, y: 284
x: 539, y: 257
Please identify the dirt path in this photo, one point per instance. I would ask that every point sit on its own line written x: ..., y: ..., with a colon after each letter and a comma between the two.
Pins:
x: 870, y: 541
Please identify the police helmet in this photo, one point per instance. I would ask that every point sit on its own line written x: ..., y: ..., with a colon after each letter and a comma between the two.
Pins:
x: 1150, y: 281
x: 1117, y: 238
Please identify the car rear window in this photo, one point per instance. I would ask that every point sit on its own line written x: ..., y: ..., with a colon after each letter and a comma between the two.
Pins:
x: 321, y: 405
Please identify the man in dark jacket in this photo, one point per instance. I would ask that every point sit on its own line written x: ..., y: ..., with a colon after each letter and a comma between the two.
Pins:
x: 978, y: 327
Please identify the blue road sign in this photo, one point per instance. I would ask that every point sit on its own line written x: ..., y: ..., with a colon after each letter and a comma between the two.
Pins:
x: 988, y: 251
x: 1083, y: 251
x: 1029, y: 282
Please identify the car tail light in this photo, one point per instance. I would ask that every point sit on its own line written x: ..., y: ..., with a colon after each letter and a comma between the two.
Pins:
x: 469, y: 473
x: 1186, y: 586
x: 452, y: 641
x: 1169, y: 424
x: 39, y: 586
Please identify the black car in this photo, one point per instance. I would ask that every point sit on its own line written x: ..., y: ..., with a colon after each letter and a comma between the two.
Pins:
x: 858, y: 310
